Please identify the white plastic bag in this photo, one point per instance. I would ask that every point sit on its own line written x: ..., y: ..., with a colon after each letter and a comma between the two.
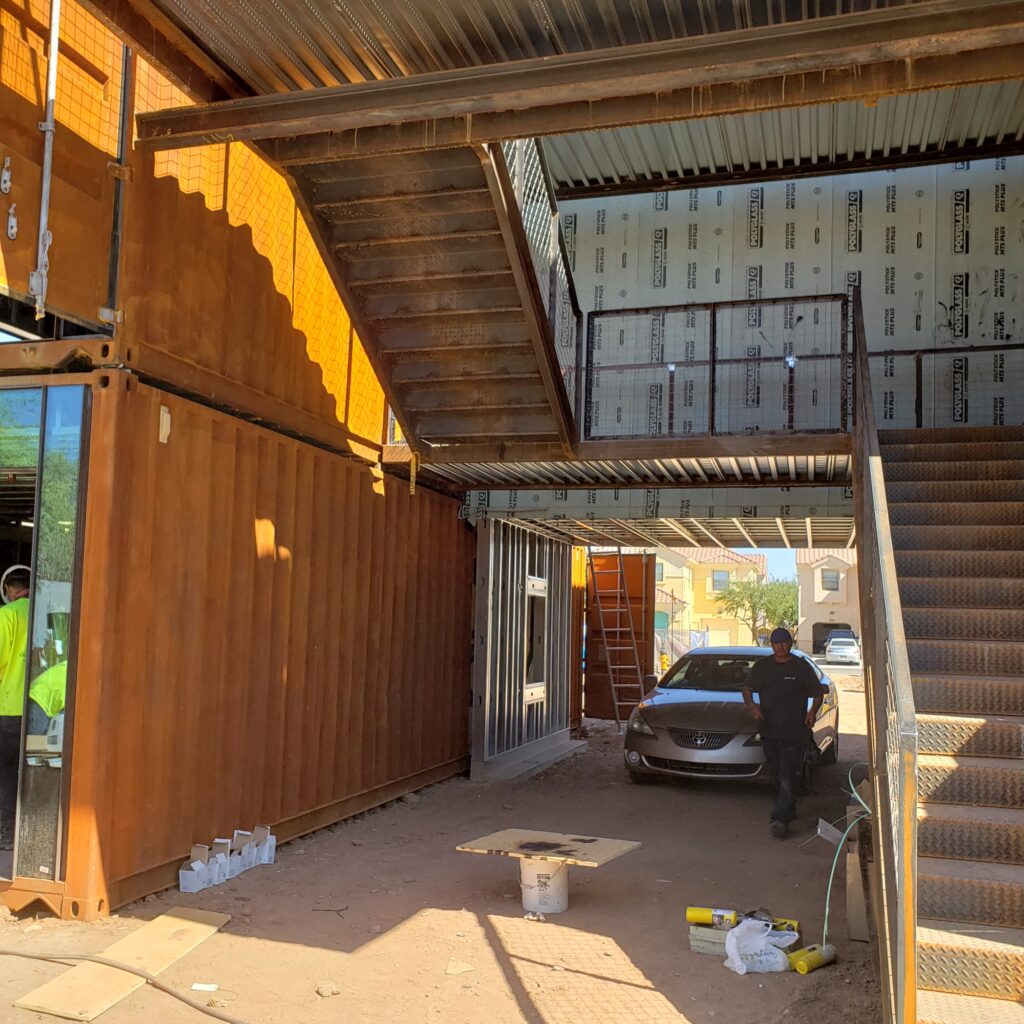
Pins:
x: 753, y: 947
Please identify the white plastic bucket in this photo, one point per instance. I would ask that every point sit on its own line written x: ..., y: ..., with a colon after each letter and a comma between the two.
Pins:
x: 545, y: 886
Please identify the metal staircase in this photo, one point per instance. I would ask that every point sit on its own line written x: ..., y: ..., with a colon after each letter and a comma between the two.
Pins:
x: 956, y: 510
x: 451, y: 266
x: 615, y: 619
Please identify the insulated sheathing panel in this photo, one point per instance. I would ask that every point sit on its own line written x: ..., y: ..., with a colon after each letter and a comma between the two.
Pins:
x: 657, y: 503
x: 937, y: 252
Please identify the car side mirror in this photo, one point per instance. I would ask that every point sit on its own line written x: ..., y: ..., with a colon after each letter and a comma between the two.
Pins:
x: 651, y: 681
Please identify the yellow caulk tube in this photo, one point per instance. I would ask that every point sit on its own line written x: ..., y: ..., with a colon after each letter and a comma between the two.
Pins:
x: 712, y: 916
x: 810, y: 958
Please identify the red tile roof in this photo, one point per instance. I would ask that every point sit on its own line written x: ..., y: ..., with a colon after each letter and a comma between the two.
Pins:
x: 707, y: 556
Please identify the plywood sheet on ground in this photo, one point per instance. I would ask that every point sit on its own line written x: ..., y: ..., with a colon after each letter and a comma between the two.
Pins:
x: 525, y: 844
x: 84, y: 992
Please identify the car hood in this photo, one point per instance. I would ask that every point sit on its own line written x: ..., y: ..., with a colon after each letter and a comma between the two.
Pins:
x: 713, y: 710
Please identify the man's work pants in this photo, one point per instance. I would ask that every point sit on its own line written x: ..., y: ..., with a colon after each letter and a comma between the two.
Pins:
x: 10, y: 754
x: 784, y: 759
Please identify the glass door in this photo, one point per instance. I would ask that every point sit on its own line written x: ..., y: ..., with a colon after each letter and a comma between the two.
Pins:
x: 48, y: 706
x: 42, y: 435
x: 20, y: 432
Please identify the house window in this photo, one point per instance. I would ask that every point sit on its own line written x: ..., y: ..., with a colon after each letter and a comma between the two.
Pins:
x: 659, y: 572
x: 829, y: 579
x: 720, y: 580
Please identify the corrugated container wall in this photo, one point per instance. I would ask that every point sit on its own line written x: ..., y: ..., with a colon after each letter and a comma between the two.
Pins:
x: 269, y: 634
x: 219, y: 286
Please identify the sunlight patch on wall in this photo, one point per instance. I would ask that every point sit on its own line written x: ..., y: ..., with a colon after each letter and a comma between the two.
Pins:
x: 254, y: 195
x: 88, y: 73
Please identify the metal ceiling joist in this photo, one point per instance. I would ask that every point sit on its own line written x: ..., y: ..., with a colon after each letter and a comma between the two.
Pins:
x: 868, y: 53
x: 716, y: 446
x: 685, y: 534
x: 653, y: 533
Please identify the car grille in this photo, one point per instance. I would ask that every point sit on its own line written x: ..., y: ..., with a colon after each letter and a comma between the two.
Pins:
x: 701, y: 767
x: 698, y: 739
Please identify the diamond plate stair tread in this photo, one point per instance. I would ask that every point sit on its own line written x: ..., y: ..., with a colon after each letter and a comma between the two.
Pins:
x: 958, y: 538
x: 981, y: 735
x: 973, y: 657
x: 945, y: 513
x: 959, y: 623
x: 965, y: 491
x: 979, y: 891
x: 950, y: 1008
x: 973, y: 959
x: 984, y: 469
x: 945, y: 435
x: 966, y: 694
x: 961, y: 592
x: 946, y: 451
x: 989, y: 781
x: 944, y: 563
x: 969, y: 833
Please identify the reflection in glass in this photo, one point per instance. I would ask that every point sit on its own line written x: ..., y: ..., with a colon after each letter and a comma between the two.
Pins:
x: 39, y: 832
x: 20, y: 413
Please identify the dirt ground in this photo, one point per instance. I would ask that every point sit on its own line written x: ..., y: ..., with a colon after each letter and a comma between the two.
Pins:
x: 383, y: 910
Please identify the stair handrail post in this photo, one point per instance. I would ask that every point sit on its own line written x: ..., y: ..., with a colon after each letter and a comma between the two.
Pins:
x: 892, y: 723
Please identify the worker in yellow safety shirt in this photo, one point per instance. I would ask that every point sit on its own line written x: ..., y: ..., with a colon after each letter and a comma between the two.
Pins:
x: 49, y: 688
x: 14, y: 587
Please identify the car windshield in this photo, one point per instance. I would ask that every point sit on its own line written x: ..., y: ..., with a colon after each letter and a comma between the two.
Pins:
x: 726, y: 672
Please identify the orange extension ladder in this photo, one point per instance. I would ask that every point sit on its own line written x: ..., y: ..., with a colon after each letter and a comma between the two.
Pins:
x: 615, y: 621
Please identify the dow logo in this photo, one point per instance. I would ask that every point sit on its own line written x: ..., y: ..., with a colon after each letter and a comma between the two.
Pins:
x: 961, y: 241
x: 854, y: 220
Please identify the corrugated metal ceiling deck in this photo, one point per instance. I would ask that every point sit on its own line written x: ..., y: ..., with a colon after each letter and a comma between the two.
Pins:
x: 303, y: 44
x: 791, y: 469
x: 914, y: 123
x: 835, y: 532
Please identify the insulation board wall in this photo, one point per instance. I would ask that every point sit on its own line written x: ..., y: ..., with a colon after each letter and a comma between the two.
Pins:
x: 936, y: 250
x: 665, y: 502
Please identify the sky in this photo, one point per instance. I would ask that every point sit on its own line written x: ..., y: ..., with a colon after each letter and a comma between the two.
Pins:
x: 781, y: 561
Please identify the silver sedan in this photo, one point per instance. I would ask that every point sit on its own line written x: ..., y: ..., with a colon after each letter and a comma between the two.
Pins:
x: 693, y: 722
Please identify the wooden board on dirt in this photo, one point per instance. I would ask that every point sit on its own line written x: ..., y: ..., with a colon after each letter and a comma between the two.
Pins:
x: 85, y: 991
x: 524, y: 844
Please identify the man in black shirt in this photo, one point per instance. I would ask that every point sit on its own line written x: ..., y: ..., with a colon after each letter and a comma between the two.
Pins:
x: 783, y: 685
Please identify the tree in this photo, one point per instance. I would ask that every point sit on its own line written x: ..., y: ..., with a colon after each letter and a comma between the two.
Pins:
x: 760, y: 604
x: 782, y: 606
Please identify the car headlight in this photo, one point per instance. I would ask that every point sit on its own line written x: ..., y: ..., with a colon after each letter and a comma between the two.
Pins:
x: 637, y: 723
x: 754, y: 741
